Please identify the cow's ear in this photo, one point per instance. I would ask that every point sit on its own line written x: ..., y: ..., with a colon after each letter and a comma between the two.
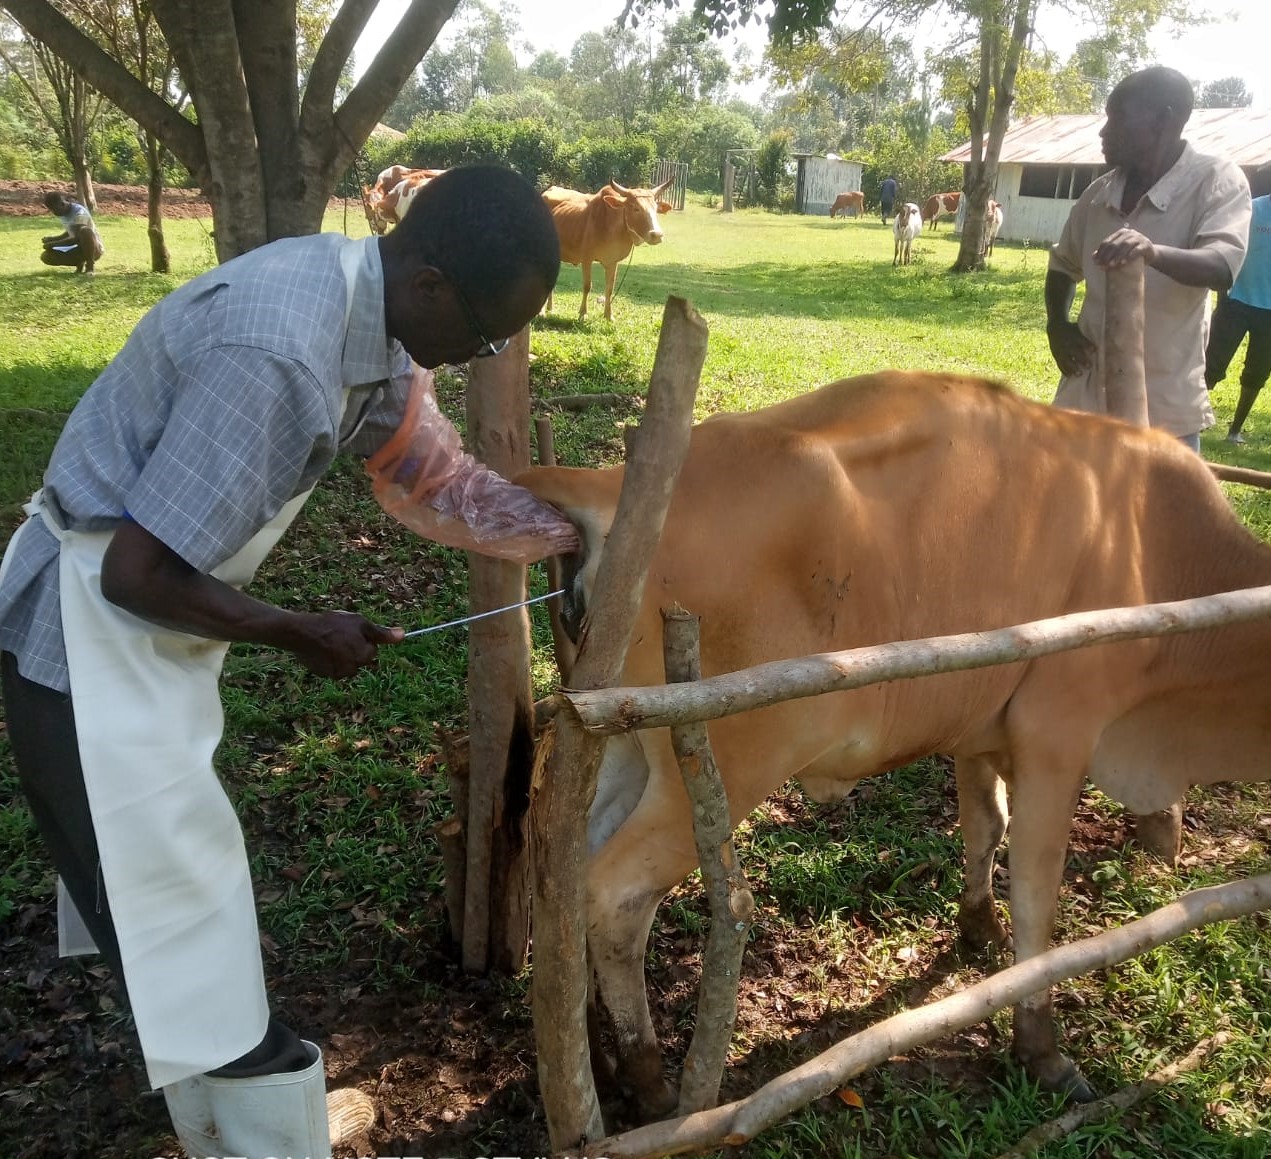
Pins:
x: 612, y: 199
x: 665, y: 207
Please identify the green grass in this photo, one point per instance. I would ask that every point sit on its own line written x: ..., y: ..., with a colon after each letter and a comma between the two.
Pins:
x: 340, y: 784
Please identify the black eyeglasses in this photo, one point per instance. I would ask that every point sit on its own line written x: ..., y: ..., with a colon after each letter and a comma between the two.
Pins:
x: 487, y: 349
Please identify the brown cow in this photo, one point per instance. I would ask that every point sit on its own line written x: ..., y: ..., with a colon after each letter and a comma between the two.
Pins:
x: 603, y: 227
x: 898, y: 506
x: 853, y: 199
x: 389, y: 198
x: 939, y: 203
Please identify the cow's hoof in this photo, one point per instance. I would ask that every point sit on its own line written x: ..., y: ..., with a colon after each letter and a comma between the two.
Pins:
x: 658, y: 1102
x: 1161, y: 833
x: 1059, y: 1074
x: 981, y: 929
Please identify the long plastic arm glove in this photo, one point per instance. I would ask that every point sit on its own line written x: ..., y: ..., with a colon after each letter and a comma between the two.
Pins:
x: 423, y: 478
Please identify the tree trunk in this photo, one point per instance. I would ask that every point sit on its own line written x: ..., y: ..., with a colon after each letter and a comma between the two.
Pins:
x: 982, y: 178
x: 267, y: 160
x: 160, y: 260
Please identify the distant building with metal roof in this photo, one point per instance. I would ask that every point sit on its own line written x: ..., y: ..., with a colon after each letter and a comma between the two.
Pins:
x: 1047, y: 162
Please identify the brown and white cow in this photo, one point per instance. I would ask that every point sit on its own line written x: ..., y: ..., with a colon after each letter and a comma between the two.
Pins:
x: 940, y: 203
x: 604, y: 227
x: 389, y: 198
x: 905, y: 229
x: 898, y: 506
x: 853, y: 199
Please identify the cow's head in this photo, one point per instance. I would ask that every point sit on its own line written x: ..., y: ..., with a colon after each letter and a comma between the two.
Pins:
x: 640, y: 209
x: 589, y: 500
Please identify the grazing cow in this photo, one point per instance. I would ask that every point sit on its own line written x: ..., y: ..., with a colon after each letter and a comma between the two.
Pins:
x: 939, y: 203
x: 993, y: 218
x: 898, y: 506
x: 906, y: 227
x: 604, y: 227
x: 389, y: 198
x: 853, y: 199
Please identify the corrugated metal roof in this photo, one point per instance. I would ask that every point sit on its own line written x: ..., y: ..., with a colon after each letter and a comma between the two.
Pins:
x: 1240, y: 135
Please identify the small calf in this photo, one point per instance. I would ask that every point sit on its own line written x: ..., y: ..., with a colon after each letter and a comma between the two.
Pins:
x: 906, y: 227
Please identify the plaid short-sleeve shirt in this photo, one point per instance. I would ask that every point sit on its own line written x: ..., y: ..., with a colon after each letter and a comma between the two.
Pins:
x: 227, y: 400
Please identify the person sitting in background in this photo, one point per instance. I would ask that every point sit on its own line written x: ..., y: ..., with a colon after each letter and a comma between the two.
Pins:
x: 79, y: 244
x: 1246, y: 309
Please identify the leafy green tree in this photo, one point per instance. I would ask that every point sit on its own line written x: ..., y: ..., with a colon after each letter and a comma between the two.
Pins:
x: 1227, y: 93
x: 268, y: 141
x: 66, y: 103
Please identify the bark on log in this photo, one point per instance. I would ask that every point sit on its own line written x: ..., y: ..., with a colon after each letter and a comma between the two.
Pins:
x: 741, y: 1121
x: 1124, y: 372
x: 608, y: 711
x: 1085, y: 1113
x: 562, y: 796
x: 562, y: 646
x: 500, y: 699
x: 732, y: 904
x: 454, y: 857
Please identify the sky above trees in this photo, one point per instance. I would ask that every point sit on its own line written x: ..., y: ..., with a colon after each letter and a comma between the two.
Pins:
x: 1234, y: 45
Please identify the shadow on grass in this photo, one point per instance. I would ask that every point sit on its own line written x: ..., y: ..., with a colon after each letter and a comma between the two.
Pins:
x: 27, y: 437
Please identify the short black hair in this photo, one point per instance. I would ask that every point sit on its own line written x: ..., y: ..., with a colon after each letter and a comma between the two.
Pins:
x: 485, y: 227
x: 1159, y: 88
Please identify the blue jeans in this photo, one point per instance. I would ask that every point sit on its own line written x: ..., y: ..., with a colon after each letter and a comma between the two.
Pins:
x: 1192, y: 441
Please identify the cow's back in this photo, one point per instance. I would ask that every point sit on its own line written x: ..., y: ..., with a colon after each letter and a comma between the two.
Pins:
x: 904, y: 505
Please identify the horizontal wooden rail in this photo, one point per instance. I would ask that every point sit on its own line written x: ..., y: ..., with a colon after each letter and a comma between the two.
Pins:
x: 608, y: 711
x: 736, y: 1123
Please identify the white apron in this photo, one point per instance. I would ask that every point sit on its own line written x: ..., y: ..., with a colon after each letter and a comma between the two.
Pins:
x: 149, y: 718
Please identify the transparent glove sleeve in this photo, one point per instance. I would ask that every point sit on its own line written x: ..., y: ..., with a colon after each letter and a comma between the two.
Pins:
x: 423, y: 478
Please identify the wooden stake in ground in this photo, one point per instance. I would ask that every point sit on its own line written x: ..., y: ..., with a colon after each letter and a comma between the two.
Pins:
x: 562, y: 796
x: 739, y: 1122
x: 732, y: 904
x: 1125, y: 382
x: 500, y: 701
x: 562, y: 645
x: 1124, y: 372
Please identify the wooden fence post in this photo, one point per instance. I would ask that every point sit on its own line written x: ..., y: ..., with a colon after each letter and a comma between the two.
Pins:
x: 732, y: 904
x: 500, y: 701
x: 562, y: 796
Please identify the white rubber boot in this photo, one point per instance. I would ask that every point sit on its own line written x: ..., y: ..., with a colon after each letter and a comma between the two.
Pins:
x: 272, y: 1116
x: 190, y: 1109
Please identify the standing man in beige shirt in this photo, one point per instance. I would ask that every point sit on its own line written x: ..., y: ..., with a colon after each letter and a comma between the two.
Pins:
x: 1186, y: 215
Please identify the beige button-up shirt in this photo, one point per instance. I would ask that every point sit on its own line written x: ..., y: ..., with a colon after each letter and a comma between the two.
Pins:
x: 1202, y: 202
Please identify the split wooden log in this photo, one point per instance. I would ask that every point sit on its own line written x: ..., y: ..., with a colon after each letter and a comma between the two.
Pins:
x: 732, y: 904
x: 609, y: 711
x: 454, y: 858
x: 1124, y: 371
x: 1085, y: 1113
x: 739, y: 1122
x: 500, y: 749
x: 562, y: 793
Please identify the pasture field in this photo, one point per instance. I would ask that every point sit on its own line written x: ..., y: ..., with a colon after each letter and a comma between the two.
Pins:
x: 339, y: 785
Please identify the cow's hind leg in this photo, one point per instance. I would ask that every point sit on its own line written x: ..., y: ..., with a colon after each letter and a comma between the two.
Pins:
x: 1042, y: 807
x: 982, y: 809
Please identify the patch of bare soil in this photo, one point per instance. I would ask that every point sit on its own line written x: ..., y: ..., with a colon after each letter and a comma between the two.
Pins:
x: 24, y: 199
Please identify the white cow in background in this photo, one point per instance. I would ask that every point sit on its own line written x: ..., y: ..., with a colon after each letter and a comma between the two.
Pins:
x: 906, y: 227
